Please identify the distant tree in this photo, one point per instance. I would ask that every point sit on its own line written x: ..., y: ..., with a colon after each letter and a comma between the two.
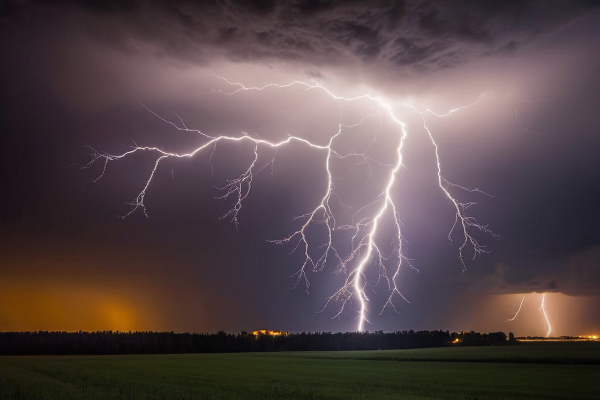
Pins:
x: 109, y: 342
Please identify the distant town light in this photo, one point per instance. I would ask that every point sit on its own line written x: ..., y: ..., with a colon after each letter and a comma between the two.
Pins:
x: 270, y: 332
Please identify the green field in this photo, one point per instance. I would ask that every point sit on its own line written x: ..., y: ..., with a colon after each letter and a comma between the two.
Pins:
x: 526, y: 371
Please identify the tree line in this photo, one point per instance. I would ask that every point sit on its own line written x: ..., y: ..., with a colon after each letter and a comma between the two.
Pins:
x: 109, y: 342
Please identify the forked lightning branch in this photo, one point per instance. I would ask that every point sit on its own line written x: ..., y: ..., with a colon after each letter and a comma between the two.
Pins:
x: 365, y: 256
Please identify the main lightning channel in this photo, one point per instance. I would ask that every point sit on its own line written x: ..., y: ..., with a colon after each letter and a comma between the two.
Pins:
x: 365, y: 253
x: 543, y: 310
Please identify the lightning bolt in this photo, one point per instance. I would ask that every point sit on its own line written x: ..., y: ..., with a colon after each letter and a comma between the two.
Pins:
x: 516, y: 313
x: 363, y: 230
x: 541, y: 309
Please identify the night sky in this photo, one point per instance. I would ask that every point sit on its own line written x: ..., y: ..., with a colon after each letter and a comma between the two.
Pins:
x: 104, y: 73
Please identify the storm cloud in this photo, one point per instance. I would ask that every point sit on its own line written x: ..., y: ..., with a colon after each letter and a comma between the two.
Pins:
x: 75, y: 72
x: 414, y: 36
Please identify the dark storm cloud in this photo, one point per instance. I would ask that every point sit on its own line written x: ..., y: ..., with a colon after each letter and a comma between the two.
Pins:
x: 514, y: 278
x: 584, y: 272
x: 74, y: 71
x: 421, y: 35
x: 576, y: 275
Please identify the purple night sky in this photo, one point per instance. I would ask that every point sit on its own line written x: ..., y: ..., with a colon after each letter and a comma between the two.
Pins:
x: 98, y: 73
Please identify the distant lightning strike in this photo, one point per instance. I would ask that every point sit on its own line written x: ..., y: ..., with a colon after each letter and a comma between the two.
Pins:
x: 365, y: 253
x: 541, y: 309
x: 516, y: 313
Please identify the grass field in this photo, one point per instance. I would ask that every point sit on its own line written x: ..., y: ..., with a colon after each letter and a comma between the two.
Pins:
x: 527, y: 371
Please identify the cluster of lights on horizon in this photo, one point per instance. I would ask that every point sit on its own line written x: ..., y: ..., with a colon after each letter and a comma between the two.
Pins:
x: 365, y: 252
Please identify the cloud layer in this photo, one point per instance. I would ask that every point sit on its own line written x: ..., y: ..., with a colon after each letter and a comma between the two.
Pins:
x: 411, y: 36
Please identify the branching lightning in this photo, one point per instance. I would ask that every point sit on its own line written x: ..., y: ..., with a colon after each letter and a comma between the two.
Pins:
x: 365, y: 254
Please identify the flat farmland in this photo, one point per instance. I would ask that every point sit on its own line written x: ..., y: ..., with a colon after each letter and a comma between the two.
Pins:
x: 527, y: 371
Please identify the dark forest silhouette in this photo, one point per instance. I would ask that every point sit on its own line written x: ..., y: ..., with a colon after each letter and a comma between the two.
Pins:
x: 109, y: 342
